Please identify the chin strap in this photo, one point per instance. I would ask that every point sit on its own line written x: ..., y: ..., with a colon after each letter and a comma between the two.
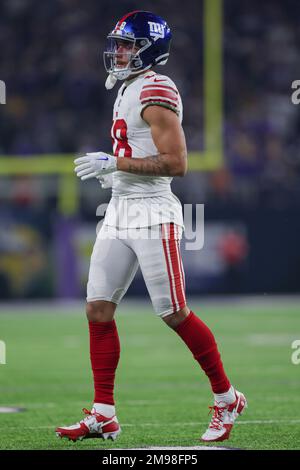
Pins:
x: 110, y: 82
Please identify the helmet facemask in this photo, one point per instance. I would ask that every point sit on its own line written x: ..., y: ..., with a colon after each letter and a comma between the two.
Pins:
x: 122, y: 56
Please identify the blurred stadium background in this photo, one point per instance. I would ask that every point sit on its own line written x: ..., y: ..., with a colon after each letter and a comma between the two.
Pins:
x: 234, y: 63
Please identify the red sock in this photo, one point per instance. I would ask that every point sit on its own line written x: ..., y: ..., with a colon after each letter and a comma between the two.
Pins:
x: 200, y: 340
x: 104, y: 353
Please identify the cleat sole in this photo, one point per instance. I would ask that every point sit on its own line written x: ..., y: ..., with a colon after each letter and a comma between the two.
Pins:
x: 112, y: 436
x: 67, y: 437
x: 105, y: 436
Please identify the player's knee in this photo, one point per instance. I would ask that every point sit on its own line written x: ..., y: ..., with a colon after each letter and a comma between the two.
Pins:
x: 174, y: 319
x: 100, y: 311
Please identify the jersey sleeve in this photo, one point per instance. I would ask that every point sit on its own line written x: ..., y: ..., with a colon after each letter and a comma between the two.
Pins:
x: 159, y: 90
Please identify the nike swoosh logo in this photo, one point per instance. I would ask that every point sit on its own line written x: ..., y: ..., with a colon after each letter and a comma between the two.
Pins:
x: 102, y: 158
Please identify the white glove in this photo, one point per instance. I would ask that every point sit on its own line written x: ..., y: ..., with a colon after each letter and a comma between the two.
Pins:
x: 106, y: 181
x: 95, y: 164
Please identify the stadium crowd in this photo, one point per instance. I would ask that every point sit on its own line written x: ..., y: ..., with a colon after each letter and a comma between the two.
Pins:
x: 51, y: 62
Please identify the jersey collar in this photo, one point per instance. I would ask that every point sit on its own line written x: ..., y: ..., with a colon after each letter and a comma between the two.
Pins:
x: 150, y: 73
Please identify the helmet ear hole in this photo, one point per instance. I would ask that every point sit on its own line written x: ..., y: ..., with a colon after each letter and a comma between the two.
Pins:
x: 141, y: 43
x: 137, y: 63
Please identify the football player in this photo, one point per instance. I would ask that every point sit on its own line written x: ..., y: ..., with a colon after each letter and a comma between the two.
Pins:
x: 143, y: 224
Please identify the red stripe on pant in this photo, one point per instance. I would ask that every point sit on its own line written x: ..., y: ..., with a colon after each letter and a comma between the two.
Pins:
x: 181, y: 266
x: 178, y: 284
x: 177, y: 266
x: 178, y: 229
x: 104, y: 354
x: 165, y: 236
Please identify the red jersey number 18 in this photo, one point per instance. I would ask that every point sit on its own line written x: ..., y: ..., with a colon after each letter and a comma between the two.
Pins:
x: 120, y: 141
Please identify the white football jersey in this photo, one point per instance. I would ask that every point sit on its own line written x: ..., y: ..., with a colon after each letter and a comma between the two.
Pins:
x: 132, y: 138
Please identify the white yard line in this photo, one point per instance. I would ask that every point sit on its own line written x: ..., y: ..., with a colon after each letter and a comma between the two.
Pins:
x: 271, y: 339
x: 30, y: 406
x: 261, y: 422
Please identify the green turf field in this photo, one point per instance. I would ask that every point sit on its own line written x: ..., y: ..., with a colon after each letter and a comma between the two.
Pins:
x: 162, y: 395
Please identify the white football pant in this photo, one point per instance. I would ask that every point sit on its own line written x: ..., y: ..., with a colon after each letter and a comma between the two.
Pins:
x: 118, y: 253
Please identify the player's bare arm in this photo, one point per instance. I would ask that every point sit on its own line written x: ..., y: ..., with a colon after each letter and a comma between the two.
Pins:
x: 169, y: 139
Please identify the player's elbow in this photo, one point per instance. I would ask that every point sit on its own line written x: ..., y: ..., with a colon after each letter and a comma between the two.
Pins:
x: 183, y: 170
x: 181, y: 167
x: 180, y: 172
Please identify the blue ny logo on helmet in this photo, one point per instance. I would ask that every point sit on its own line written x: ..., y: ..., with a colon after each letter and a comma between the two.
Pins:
x: 139, y: 41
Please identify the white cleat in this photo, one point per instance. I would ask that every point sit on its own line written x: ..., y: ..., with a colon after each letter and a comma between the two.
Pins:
x: 94, y: 425
x: 223, y: 419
